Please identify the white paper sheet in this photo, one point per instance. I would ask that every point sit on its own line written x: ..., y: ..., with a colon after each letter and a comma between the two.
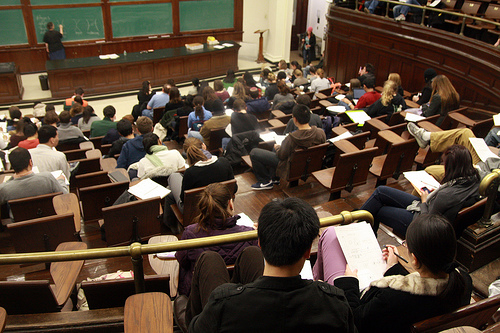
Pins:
x: 358, y: 116
x: 342, y: 136
x: 420, y: 179
x: 361, y: 251
x: 244, y: 220
x: 413, y: 117
x: 109, y: 56
x: 267, y: 136
x: 147, y: 189
x: 496, y: 119
x: 279, y: 139
x: 482, y: 150
x: 339, y: 97
x: 306, y: 273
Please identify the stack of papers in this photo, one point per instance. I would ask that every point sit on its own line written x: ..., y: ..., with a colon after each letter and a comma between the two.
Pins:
x: 358, y: 116
x: 109, y: 56
x: 148, y: 189
x: 482, y: 149
x: 272, y: 136
x: 413, y: 117
x: 342, y: 136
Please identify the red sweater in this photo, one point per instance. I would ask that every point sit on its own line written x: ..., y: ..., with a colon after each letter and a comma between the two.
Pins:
x: 368, y: 99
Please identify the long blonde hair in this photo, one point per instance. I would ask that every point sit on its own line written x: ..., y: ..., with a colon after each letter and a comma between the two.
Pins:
x: 390, y: 88
x: 395, y: 77
x: 193, y: 149
x: 239, y: 91
x: 450, y: 99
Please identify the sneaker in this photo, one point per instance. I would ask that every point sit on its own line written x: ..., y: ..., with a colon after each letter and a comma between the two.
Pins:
x: 418, y: 134
x: 366, y: 10
x: 275, y: 181
x: 262, y: 186
x: 400, y: 18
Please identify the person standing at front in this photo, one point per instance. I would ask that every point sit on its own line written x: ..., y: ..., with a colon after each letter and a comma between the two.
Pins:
x: 53, y: 44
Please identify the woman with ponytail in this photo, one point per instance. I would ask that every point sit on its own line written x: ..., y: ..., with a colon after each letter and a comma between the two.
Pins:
x: 199, y: 115
x: 399, y: 299
x: 215, y: 218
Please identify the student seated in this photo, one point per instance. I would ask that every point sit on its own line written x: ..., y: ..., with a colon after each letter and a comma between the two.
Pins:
x: 257, y: 104
x: 159, y: 161
x: 88, y: 117
x: 124, y: 128
x: 444, y: 99
x: 68, y: 103
x: 218, y: 120
x: 241, y: 120
x: 216, y: 218
x: 133, y: 150
x: 278, y: 301
x: 269, y: 166
x: 399, y: 299
x: 25, y: 183
x: 314, y: 121
x: 369, y: 97
x: 101, y: 127
x: 389, y: 102
x: 204, y: 169
x: 459, y: 189
x: 425, y: 95
x: 197, y: 118
x: 66, y: 130
x: 31, y: 132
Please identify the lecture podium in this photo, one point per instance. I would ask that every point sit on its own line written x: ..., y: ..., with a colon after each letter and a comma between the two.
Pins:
x: 98, y: 76
x: 11, y: 86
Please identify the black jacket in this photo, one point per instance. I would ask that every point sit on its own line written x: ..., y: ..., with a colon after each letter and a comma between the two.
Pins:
x: 273, y: 304
x: 387, y: 309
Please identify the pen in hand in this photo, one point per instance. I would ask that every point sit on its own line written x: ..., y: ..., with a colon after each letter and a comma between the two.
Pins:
x: 400, y: 257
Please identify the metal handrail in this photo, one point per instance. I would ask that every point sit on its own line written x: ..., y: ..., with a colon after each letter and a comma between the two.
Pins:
x: 489, y: 188
x: 426, y: 8
x: 137, y: 250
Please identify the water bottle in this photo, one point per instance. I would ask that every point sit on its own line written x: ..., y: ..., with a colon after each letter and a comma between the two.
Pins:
x: 125, y: 53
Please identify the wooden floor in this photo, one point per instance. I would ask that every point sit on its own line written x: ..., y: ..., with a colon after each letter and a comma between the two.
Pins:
x: 247, y: 201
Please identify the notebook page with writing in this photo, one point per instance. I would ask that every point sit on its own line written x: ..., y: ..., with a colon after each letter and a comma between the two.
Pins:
x: 362, y: 251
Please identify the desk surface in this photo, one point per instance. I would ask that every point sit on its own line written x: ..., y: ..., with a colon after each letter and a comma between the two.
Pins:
x: 176, y: 52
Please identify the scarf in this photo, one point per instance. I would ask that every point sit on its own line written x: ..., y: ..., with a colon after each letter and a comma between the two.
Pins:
x: 153, y: 158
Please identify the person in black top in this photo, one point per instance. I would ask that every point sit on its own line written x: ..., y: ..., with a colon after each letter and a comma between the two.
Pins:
x: 425, y: 95
x: 388, y: 103
x: 241, y: 121
x: 53, y: 44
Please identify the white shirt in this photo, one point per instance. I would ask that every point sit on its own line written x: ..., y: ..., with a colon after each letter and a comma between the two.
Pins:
x: 170, y: 159
x: 319, y: 84
x: 48, y: 159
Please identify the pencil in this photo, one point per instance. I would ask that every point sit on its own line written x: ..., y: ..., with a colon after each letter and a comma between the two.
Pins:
x: 397, y: 255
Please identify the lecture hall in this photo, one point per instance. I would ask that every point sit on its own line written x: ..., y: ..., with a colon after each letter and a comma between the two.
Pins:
x: 337, y: 160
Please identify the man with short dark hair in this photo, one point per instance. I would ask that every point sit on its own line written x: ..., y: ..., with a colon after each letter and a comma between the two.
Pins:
x: 366, y: 72
x: 66, y: 130
x: 257, y: 104
x: 280, y: 300
x: 269, y: 166
x: 25, y: 183
x: 133, y: 150
x: 44, y: 157
x: 219, y: 120
x: 124, y: 128
x: 314, y: 121
x: 370, y: 96
x: 101, y: 127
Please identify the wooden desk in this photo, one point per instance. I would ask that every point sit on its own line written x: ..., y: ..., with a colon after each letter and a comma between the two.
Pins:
x: 11, y: 87
x: 98, y: 76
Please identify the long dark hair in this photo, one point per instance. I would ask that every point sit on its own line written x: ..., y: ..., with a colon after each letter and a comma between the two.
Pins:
x: 249, y: 80
x: 213, y: 204
x: 458, y: 163
x: 145, y: 87
x: 175, y: 95
x: 230, y: 78
x: 431, y: 239
x: 198, y: 107
x: 88, y: 111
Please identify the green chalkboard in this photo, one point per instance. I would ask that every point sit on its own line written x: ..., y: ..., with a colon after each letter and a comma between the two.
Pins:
x: 60, y: 2
x: 141, y: 20
x: 10, y: 2
x: 206, y: 15
x: 78, y: 23
x: 13, y: 29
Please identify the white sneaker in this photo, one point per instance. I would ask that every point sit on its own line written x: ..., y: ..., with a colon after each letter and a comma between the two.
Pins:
x: 400, y: 18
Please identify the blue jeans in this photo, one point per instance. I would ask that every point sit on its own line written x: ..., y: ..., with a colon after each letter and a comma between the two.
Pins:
x: 371, y: 5
x: 306, y: 55
x: 402, y: 9
x: 57, y: 55
x: 388, y: 205
x: 493, y: 139
x: 148, y: 113
x: 195, y: 134
x: 264, y: 164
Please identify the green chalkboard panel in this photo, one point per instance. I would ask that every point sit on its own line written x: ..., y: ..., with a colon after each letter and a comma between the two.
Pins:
x: 141, y: 20
x: 206, y: 15
x: 10, y: 2
x: 13, y: 29
x: 60, y: 2
x: 78, y: 23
